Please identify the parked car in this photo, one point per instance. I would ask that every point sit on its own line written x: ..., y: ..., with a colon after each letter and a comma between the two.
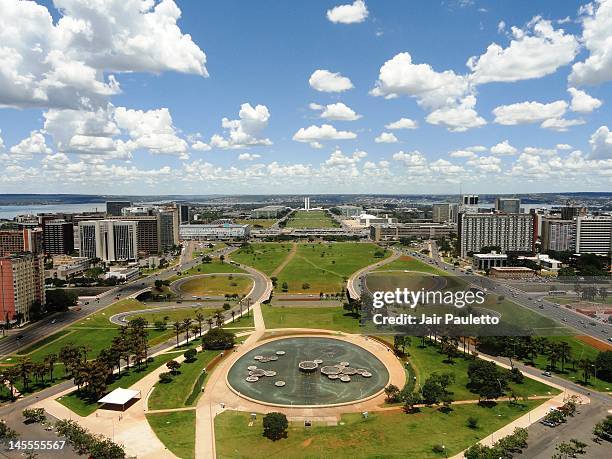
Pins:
x: 548, y: 374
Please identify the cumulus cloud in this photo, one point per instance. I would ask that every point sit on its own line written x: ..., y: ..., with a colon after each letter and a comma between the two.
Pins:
x: 337, y: 111
x: 315, y: 134
x: 337, y: 158
x: 326, y: 81
x: 432, y: 89
x: 198, y: 145
x: 601, y: 143
x: 596, y: 26
x: 537, y: 51
x: 485, y: 164
x: 503, y: 149
x: 528, y: 112
x: 583, y: 102
x: 348, y: 14
x: 462, y: 154
x: 244, y: 132
x: 386, y: 137
x: 457, y: 118
x: 402, y: 123
x: 248, y: 157
x: 63, y: 63
x: 561, y: 124
x: 412, y: 160
x: 34, y: 144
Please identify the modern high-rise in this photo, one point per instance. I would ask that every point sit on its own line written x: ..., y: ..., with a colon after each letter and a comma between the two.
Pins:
x: 22, y: 284
x: 109, y: 240
x: 594, y: 235
x: 570, y: 212
x: 22, y: 240
x: 469, y: 199
x: 58, y: 237
x: 167, y: 231
x: 558, y: 235
x: 183, y: 213
x: 441, y: 212
x: 113, y: 208
x: 508, y: 232
x: 508, y: 205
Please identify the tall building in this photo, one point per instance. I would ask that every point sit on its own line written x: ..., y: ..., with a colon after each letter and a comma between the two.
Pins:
x: 109, y: 240
x: 168, y: 237
x: 22, y: 240
x: 22, y: 284
x: 441, y: 212
x: 148, y: 232
x: 58, y: 237
x: 558, y: 235
x: 469, y: 199
x: 113, y: 208
x: 508, y: 205
x: 509, y: 232
x: 594, y: 235
x: 183, y: 213
x: 570, y: 212
x: 306, y: 203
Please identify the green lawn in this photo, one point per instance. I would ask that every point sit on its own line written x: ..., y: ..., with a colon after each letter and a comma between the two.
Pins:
x: 312, y: 219
x: 326, y: 267
x: 198, y: 252
x: 84, y: 407
x: 214, y: 266
x: 175, y: 430
x: 408, y: 263
x: 264, y: 256
x: 329, y: 318
x: 175, y: 393
x: 217, y: 285
x: 391, y: 434
x: 257, y: 222
x: 43, y: 342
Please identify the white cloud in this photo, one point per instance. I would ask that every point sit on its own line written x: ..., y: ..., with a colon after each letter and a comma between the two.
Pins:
x: 151, y: 130
x: 486, y: 164
x: 457, y: 118
x: 462, y: 154
x: 326, y: 81
x: 476, y: 148
x: 337, y: 158
x: 315, y: 134
x: 63, y: 63
x: 601, y: 143
x: 561, y: 124
x: 503, y: 149
x: 533, y: 53
x: 386, y: 137
x: 412, y: 160
x: 337, y: 111
x: 501, y: 26
x: 248, y: 157
x: 198, y: 145
x: 348, y: 14
x: 596, y: 26
x: 540, y: 151
x: 444, y: 167
x: 399, y: 76
x: 402, y: 123
x: 244, y: 132
x: 528, y: 112
x: 34, y: 144
x: 583, y: 102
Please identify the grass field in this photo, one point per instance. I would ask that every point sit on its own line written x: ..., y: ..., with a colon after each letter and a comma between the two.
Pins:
x: 217, y: 285
x: 203, y: 249
x: 176, y: 431
x: 410, y: 264
x: 214, y: 266
x: 175, y: 393
x: 257, y: 222
x: 391, y: 434
x: 264, y: 256
x: 326, y: 267
x: 84, y: 407
x: 329, y: 318
x: 312, y: 219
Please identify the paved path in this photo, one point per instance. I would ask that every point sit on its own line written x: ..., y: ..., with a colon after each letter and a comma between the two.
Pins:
x: 354, y: 282
x: 286, y: 260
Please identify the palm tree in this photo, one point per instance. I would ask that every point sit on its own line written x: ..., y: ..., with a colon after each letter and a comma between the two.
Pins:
x: 177, y: 329
x: 186, y: 324
x: 585, y: 365
x: 565, y: 353
x: 200, y: 319
x: 233, y: 315
x: 219, y: 318
x: 25, y: 368
x: 49, y: 362
x: 210, y: 322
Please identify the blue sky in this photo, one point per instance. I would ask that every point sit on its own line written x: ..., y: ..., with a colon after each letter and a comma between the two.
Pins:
x: 144, y: 80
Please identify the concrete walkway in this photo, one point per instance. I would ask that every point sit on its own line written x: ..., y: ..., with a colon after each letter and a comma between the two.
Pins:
x: 286, y: 260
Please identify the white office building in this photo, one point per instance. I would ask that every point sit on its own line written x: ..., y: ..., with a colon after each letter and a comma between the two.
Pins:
x: 558, y: 235
x: 214, y: 231
x: 109, y: 240
x: 594, y: 235
x: 509, y: 232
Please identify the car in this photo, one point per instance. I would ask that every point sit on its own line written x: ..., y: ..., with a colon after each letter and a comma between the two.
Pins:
x: 548, y: 374
x: 610, y: 339
x: 19, y: 336
x: 54, y: 321
x: 541, y: 306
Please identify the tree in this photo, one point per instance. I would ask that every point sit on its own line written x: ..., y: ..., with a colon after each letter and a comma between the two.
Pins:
x: 486, y: 379
x: 34, y: 415
x: 275, y: 426
x: 158, y: 284
x: 217, y: 338
x: 586, y: 365
x: 565, y: 353
x: 603, y: 429
x: 472, y: 422
x: 569, y: 449
x: 199, y: 317
x: 392, y: 393
x: 435, y: 390
x: 603, y: 364
x: 165, y: 378
x: 190, y: 355
x: 7, y: 434
x: 410, y: 400
x: 177, y: 330
x: 173, y: 366
x: 187, y: 326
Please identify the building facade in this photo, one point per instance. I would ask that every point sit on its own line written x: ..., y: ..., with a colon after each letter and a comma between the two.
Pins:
x: 22, y: 284
x: 58, y: 236
x: 22, y: 240
x: 269, y: 212
x: 594, y: 235
x: 109, y: 240
x: 508, y: 205
x: 212, y: 231
x: 441, y: 212
x: 113, y: 208
x: 558, y: 235
x: 394, y: 232
x: 509, y: 232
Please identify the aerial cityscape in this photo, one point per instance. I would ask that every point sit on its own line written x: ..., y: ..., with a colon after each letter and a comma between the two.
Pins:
x: 361, y: 229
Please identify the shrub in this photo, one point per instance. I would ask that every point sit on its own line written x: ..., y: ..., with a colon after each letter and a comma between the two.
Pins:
x: 438, y: 448
x: 165, y: 378
x: 217, y: 338
x: 190, y: 355
x: 275, y: 426
x: 472, y: 422
x: 34, y: 415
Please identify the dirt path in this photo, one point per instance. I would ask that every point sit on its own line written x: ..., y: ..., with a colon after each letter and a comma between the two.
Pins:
x: 286, y: 260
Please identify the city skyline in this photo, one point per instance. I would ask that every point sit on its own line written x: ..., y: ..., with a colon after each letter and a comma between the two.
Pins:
x: 331, y: 97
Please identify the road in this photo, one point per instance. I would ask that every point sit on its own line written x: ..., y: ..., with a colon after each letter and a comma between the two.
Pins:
x: 536, y: 302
